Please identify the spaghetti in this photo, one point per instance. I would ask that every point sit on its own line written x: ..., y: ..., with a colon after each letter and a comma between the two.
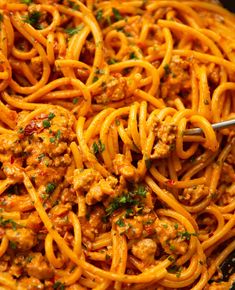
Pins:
x: 99, y: 186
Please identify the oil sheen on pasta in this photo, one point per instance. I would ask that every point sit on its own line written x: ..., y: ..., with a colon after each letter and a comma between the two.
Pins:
x: 99, y: 186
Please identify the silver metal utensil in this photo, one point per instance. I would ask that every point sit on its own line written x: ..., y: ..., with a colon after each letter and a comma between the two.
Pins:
x: 216, y: 126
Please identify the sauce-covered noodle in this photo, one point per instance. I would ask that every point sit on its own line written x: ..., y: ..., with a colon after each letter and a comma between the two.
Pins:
x: 99, y: 186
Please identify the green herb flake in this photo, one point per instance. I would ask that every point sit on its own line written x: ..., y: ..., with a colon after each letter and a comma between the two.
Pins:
x: 13, y: 245
x: 186, y: 235
x: 120, y: 223
x: 50, y: 187
x: 172, y: 247
x: 192, y: 159
x: 112, y: 61
x: 101, y: 146
x: 33, y: 19
x: 167, y: 69
x: 7, y: 222
x: 95, y: 148
x: 176, y: 226
x: 41, y: 156
x: 58, y: 135
x: 165, y: 226
x: 124, y: 201
x: 98, y: 147
x: 99, y: 15
x: 170, y: 258
x: 46, y: 123
x: 29, y: 259
x: 51, y: 116
x: 116, y: 13
x: 58, y: 285
x: 107, y: 257
x: 99, y: 71
x: 44, y: 196
x: 26, y: 2
x: 141, y: 191
x: 73, y: 5
x: 74, y: 30
x: 21, y: 130
x: 117, y: 122
x: 133, y: 55
x: 95, y: 79
x: 75, y: 101
x: 129, y: 211
x: 1, y: 17
x: 148, y: 163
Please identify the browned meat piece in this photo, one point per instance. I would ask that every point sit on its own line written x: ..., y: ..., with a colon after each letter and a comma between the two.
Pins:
x: 39, y: 268
x: 29, y: 284
x: 171, y: 236
x: 132, y: 228
x: 194, y: 194
x: 122, y: 166
x: 92, y: 224
x: 24, y: 239
x: 177, y: 78
x: 115, y: 89
x: 165, y: 135
x: 145, y: 250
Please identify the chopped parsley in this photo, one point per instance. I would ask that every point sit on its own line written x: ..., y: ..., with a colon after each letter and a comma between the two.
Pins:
x: 127, y: 200
x: 95, y: 79
x: 129, y: 211
x: 21, y: 130
x: 117, y: 122
x: 26, y: 2
x: 107, y: 257
x: 29, y: 259
x: 176, y: 226
x: 75, y: 101
x: 58, y: 135
x: 99, y: 71
x: 46, y: 123
x: 170, y: 258
x: 98, y: 147
x: 33, y: 19
x: 116, y: 13
x: 192, y: 159
x: 112, y: 61
x: 50, y: 187
x: 74, y: 30
x: 148, y: 163
x: 41, y: 156
x: 58, y: 285
x: 7, y: 222
x: 99, y: 15
x: 172, y: 247
x: 13, y: 245
x: 120, y: 223
x: 140, y: 191
x: 175, y: 270
x: 133, y: 55
x: 51, y: 116
x: 187, y: 235
x: 73, y: 5
x: 52, y: 139
x: 167, y: 69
